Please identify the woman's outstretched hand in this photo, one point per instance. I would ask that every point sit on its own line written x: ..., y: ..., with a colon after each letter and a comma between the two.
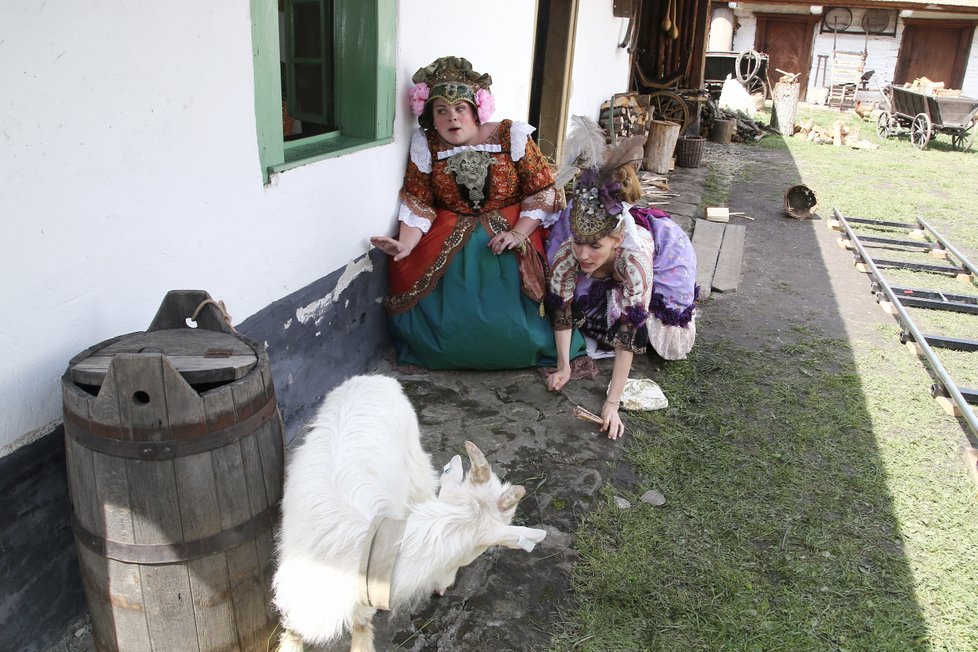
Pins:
x: 612, y: 421
x: 390, y: 246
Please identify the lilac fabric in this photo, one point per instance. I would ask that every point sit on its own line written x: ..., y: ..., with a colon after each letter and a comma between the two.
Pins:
x: 674, y: 288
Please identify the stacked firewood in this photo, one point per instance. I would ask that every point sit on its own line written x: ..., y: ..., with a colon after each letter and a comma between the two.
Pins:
x: 747, y: 129
x: 928, y: 87
x: 630, y: 116
x: 838, y: 134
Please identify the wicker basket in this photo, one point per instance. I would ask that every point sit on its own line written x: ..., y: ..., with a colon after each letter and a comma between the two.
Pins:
x: 689, y: 151
x: 799, y: 202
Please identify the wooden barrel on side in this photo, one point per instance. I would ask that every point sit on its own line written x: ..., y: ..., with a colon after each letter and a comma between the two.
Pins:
x: 175, y: 456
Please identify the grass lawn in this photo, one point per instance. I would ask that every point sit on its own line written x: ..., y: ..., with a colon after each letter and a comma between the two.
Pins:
x: 813, y: 501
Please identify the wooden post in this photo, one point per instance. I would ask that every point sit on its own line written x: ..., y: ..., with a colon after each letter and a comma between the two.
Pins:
x: 660, y: 145
x: 784, y: 106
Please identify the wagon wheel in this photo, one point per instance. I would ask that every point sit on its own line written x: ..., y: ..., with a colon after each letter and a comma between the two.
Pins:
x: 670, y: 106
x: 884, y: 125
x: 756, y: 86
x: 964, y: 138
x: 747, y: 66
x: 921, y: 130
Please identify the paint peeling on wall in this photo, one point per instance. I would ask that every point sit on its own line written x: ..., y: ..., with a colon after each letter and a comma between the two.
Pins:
x: 315, y: 311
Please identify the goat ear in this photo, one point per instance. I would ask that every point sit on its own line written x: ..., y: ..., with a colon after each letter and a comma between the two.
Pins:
x: 480, y: 467
x: 510, y: 497
x: 515, y: 536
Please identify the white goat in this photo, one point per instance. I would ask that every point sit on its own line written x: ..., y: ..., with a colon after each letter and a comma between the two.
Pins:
x: 362, y: 458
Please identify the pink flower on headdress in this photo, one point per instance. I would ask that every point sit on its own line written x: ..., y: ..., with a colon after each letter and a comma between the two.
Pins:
x: 419, y: 96
x: 485, y: 104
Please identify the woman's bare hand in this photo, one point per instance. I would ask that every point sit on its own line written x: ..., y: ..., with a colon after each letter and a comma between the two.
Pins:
x: 390, y: 246
x: 557, y: 380
x: 612, y: 421
x: 504, y: 241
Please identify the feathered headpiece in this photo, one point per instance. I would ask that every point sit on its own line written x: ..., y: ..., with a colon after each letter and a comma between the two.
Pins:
x: 596, y: 195
x: 451, y: 79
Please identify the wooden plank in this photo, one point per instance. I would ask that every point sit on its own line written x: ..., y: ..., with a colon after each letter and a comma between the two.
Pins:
x: 209, y: 585
x: 707, y: 238
x: 727, y: 275
x: 169, y: 607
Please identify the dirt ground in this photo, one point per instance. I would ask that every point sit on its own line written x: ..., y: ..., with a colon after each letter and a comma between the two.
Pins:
x: 793, y: 274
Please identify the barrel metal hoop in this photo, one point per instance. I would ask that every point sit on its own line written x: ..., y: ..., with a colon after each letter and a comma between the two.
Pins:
x: 169, y: 553
x: 165, y: 450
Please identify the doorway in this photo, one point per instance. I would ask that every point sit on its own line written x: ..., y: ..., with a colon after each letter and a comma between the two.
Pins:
x: 550, y: 87
x: 787, y: 40
x: 937, y: 50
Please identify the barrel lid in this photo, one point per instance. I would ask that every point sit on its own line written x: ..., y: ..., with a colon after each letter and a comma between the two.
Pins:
x: 201, y: 356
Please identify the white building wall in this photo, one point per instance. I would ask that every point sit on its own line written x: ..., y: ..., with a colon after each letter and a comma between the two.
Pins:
x: 600, y: 67
x: 130, y: 167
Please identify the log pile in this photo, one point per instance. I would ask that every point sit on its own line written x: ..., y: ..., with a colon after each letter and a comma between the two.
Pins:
x: 837, y: 134
x: 630, y: 116
x: 747, y: 129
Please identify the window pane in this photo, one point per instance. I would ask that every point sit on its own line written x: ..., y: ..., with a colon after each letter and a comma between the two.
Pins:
x: 309, y: 88
x: 308, y: 26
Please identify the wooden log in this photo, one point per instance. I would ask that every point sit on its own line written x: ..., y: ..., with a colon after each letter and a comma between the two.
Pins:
x: 660, y: 145
x: 784, y: 107
x: 723, y: 131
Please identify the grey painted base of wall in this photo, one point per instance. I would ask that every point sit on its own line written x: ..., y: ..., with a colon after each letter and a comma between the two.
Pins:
x: 40, y: 585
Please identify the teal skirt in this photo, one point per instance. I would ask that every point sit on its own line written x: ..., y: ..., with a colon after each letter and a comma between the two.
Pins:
x: 478, y: 317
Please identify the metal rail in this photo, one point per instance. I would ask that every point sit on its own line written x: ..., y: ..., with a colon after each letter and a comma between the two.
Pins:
x: 948, y: 385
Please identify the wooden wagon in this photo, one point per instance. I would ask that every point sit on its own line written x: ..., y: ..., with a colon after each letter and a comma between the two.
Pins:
x: 925, y: 116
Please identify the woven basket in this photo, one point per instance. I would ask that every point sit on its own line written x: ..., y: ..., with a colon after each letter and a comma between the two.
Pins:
x: 689, y: 151
x: 799, y: 202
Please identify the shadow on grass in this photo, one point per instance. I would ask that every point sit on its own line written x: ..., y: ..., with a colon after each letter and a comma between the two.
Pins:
x: 813, y: 501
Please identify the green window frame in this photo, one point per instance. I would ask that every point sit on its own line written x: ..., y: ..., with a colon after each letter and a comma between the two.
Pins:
x: 362, y: 102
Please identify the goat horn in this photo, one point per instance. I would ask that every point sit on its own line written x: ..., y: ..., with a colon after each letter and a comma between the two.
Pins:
x: 512, y: 496
x: 480, y: 467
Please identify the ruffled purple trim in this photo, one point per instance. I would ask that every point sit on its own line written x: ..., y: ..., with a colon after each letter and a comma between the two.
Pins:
x: 636, y: 316
x: 671, y: 316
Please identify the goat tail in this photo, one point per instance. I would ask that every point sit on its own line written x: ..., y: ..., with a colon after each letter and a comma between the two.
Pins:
x: 289, y: 641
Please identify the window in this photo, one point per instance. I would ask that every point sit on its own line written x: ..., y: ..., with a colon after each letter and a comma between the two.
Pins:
x: 331, y: 64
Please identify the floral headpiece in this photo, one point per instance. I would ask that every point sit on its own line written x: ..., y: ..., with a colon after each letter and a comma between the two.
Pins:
x: 451, y: 79
x: 592, y: 167
x: 597, y: 209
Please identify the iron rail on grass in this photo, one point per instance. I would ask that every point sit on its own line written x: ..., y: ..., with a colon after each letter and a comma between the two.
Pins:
x: 901, y: 298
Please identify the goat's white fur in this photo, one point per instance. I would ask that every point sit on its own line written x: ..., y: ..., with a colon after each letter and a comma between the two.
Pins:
x: 361, y: 458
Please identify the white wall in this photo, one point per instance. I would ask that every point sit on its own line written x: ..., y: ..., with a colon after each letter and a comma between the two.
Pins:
x: 130, y: 167
x: 600, y: 67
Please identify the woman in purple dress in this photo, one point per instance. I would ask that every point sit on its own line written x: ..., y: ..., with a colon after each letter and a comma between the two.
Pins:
x: 626, y: 276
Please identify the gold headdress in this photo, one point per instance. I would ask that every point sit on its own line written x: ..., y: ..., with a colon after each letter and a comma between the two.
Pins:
x: 451, y: 79
x: 597, y: 195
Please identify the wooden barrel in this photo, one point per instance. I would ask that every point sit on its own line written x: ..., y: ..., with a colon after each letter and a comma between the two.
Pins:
x: 175, y: 455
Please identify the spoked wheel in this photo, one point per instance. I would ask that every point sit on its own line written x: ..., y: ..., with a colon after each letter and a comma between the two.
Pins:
x: 756, y: 86
x: 921, y: 130
x: 963, y: 139
x: 748, y: 66
x: 670, y: 106
x: 884, y: 125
